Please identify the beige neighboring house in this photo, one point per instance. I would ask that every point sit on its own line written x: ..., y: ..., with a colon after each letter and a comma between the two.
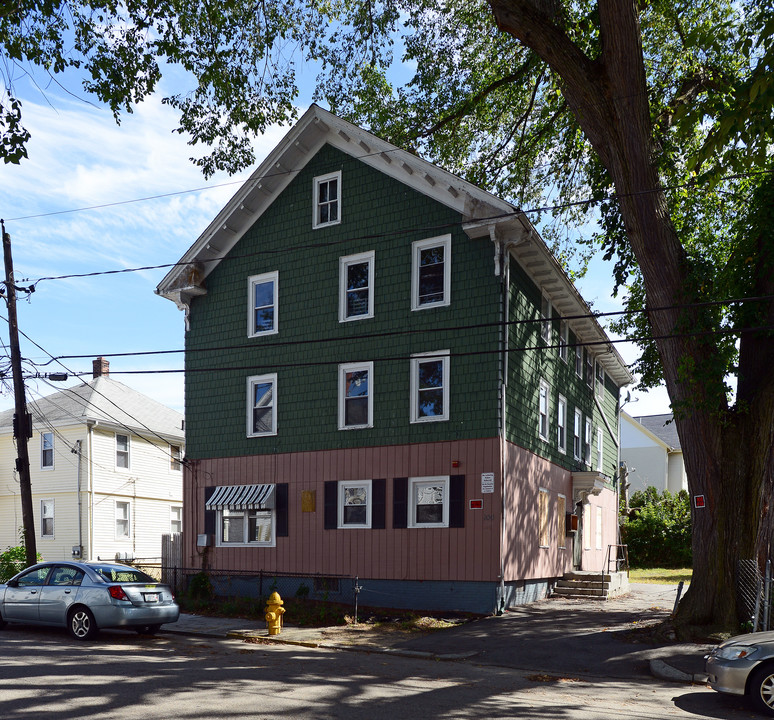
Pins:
x: 650, y: 447
x: 106, y: 472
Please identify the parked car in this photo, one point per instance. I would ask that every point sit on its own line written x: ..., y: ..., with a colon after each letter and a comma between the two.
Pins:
x: 744, y: 665
x: 87, y: 596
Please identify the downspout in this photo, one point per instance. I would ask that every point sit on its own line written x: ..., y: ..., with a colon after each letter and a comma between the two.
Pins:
x: 79, y: 446
x: 502, y: 270
x: 90, y: 485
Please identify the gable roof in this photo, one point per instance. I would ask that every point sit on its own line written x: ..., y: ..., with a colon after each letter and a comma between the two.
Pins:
x: 107, y: 403
x: 663, y: 427
x: 484, y: 216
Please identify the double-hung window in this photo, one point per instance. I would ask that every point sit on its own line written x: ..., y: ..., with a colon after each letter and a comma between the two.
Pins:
x: 600, y: 449
x: 564, y: 339
x: 246, y: 527
x: 589, y: 369
x: 543, y: 528
x: 576, y: 437
x: 578, y: 358
x: 262, y: 405
x: 543, y: 410
x: 545, y: 319
x: 599, y: 373
x: 561, y: 424
x: 175, y: 456
x: 122, y: 451
x: 355, y: 504
x: 587, y: 442
x: 356, y: 287
x: 47, y: 451
x: 356, y: 396
x: 561, y: 510
x: 176, y: 519
x: 430, y: 387
x: 262, y: 304
x: 47, y: 518
x: 431, y: 273
x: 429, y: 502
x: 123, y: 515
x: 327, y: 200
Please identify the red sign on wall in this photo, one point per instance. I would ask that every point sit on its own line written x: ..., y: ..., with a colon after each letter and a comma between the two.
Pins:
x: 476, y: 504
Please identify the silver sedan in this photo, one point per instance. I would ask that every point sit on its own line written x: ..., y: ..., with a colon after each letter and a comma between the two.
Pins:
x: 87, y: 596
x: 744, y: 665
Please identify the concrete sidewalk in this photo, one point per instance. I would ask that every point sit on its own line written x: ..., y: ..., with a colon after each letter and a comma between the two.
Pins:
x: 564, y: 637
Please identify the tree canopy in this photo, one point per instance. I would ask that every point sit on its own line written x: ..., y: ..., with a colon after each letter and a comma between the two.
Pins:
x: 653, y: 119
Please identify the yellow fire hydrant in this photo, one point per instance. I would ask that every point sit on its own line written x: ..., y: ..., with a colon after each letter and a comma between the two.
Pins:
x: 274, y: 613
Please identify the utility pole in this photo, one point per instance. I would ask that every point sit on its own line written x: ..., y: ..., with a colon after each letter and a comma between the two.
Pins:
x: 23, y: 423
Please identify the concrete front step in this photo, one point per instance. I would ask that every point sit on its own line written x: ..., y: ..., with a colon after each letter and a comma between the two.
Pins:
x: 591, y: 585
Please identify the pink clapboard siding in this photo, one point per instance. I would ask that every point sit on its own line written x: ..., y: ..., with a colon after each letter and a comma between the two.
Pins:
x: 471, y: 553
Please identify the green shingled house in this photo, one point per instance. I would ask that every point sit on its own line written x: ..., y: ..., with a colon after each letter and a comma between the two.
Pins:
x: 389, y: 376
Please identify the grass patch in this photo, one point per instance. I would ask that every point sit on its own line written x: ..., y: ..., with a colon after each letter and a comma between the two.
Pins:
x: 660, y: 576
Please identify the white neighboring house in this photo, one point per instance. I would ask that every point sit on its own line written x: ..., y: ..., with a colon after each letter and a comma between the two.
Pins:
x: 106, y: 472
x: 651, y: 450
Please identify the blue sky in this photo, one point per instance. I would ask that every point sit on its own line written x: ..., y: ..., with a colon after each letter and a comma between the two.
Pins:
x: 67, y: 213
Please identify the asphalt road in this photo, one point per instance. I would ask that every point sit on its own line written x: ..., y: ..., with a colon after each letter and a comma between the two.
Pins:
x: 43, y: 673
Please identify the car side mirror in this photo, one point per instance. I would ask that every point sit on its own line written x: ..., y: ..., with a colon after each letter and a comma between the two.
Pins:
x: 13, y: 583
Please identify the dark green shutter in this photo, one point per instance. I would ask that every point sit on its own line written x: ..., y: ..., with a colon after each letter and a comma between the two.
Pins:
x: 457, y: 501
x: 209, y: 515
x: 400, y: 502
x: 331, y: 514
x: 281, y: 508
x: 378, y: 504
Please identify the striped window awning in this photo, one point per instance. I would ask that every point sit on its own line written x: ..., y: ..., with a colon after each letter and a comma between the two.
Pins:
x: 241, y: 497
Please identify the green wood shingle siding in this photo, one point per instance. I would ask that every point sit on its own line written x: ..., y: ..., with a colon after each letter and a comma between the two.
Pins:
x: 531, y: 360
x: 379, y: 214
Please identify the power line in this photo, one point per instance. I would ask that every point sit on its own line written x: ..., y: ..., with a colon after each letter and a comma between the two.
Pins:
x: 422, y: 331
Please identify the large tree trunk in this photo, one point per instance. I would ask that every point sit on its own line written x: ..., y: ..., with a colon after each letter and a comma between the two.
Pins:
x: 727, y: 453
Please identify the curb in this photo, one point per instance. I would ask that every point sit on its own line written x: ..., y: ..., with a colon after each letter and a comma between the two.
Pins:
x: 664, y: 671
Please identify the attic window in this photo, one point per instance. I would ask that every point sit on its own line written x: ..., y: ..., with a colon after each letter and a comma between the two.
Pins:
x: 327, y: 200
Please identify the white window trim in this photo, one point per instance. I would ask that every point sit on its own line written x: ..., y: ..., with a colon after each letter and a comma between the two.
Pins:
x: 343, y: 484
x: 586, y: 526
x: 433, y: 480
x: 173, y: 519
x: 599, y: 381
x: 416, y: 360
x: 251, y: 382
x: 589, y: 369
x: 562, y: 403
x: 173, y: 459
x: 315, y: 194
x: 262, y: 543
x: 42, y: 450
x: 577, y: 430
x: 600, y: 448
x: 587, y: 442
x: 344, y: 263
x: 354, y: 367
x: 252, y: 281
x: 545, y: 317
x: 564, y: 339
x: 598, y: 528
x: 561, y: 540
x: 544, y: 496
x: 43, y: 516
x: 578, y: 358
x: 128, y: 452
x: 128, y: 535
x: 544, y: 387
x: 416, y: 248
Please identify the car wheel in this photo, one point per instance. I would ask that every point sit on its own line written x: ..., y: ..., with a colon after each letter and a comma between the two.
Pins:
x: 761, y: 689
x: 81, y: 624
x: 2, y: 622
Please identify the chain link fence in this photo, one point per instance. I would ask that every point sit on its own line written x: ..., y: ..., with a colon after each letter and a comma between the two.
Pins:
x: 254, y: 585
x: 754, y: 594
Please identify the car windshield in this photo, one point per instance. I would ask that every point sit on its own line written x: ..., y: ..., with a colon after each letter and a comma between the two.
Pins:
x: 114, y: 573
